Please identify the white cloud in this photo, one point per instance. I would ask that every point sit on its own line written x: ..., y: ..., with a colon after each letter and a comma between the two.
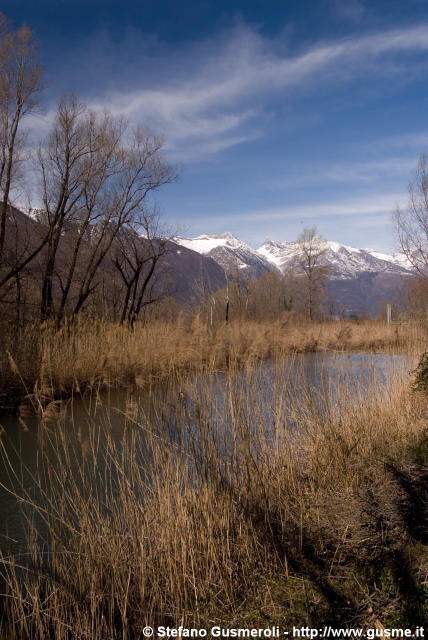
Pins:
x: 364, y: 221
x: 366, y: 205
x: 345, y: 173
x: 414, y: 140
x: 351, y: 10
x: 220, y: 89
x: 359, y: 221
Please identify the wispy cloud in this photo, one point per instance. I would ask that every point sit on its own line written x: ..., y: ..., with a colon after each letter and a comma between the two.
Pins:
x: 222, y: 89
x: 351, y: 10
x: 360, y: 221
x: 217, y: 94
x: 344, y: 173
x: 366, y: 205
x: 410, y: 140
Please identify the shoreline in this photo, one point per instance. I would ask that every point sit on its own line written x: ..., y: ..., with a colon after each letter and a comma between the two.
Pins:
x: 75, y: 358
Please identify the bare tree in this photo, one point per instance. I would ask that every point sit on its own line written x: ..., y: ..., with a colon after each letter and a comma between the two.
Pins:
x: 96, y: 175
x: 308, y: 260
x: 141, y: 171
x: 415, y: 295
x: 137, y: 257
x: 62, y: 163
x: 269, y: 297
x: 20, y: 76
x: 411, y: 224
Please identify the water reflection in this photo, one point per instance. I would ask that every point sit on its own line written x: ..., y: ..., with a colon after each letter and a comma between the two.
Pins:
x: 262, y: 401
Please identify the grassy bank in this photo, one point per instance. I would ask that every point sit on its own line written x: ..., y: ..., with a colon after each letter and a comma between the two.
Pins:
x: 89, y: 352
x: 258, y: 505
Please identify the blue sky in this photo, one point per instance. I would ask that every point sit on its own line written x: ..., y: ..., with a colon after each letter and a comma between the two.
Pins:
x: 282, y: 114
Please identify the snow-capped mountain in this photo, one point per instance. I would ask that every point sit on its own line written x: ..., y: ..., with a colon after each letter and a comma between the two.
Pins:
x: 230, y: 253
x: 344, y: 262
x: 359, y: 278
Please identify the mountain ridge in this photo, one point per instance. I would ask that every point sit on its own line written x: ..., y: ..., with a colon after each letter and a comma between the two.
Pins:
x: 233, y: 255
x: 344, y: 261
x: 360, y: 279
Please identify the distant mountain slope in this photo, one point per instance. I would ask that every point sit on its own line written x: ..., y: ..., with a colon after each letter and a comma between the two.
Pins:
x: 359, y: 278
x: 191, y: 277
x: 230, y: 253
x: 343, y: 261
x: 186, y: 275
x: 194, y: 268
x: 364, y: 292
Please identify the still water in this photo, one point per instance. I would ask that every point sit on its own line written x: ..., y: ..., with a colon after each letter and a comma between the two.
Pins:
x: 263, y: 397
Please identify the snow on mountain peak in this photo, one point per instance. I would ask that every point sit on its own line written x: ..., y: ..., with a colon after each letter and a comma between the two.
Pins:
x: 205, y: 243
x: 228, y: 236
x: 337, y: 247
x: 359, y: 278
x: 344, y: 261
x: 229, y: 252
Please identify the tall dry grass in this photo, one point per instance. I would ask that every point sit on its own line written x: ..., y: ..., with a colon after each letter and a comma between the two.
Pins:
x: 258, y: 502
x: 88, y: 352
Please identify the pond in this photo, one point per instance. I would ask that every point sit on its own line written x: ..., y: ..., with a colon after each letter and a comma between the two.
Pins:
x: 270, y: 398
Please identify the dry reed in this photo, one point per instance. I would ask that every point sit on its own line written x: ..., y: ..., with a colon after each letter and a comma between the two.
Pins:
x: 90, y: 352
x: 257, y: 502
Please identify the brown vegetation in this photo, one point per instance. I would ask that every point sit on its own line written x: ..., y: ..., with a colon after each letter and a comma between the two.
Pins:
x: 93, y: 236
x: 92, y: 351
x: 253, y: 500
x: 252, y: 505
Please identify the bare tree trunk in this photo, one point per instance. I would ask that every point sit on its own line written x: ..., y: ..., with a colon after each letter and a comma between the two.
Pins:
x: 46, y: 309
x: 18, y: 301
x: 20, y: 83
